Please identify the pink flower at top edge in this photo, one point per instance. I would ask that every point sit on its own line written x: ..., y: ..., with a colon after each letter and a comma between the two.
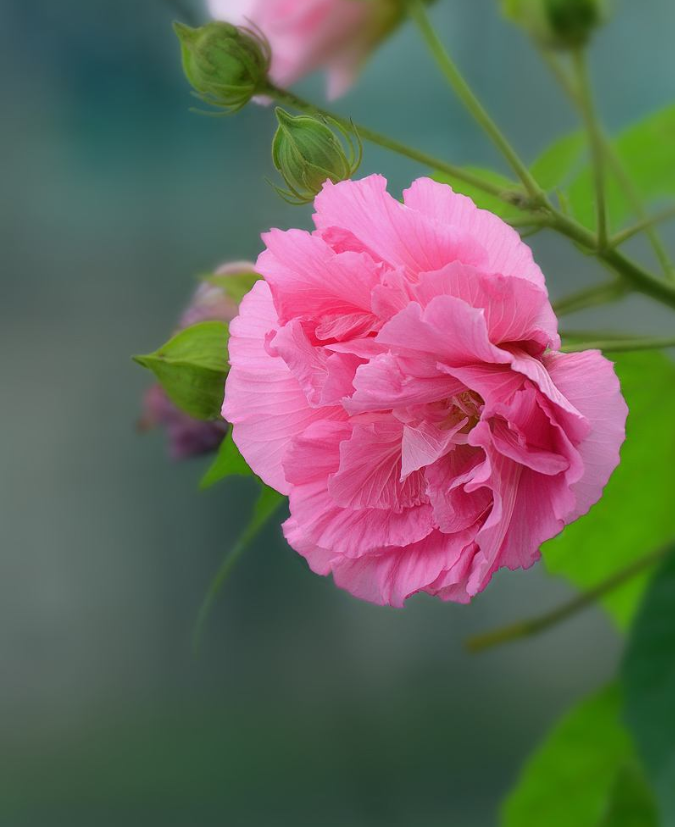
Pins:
x: 187, y: 436
x: 397, y: 374
x: 305, y: 35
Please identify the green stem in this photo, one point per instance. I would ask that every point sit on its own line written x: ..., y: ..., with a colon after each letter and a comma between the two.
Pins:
x: 535, y: 625
x: 287, y: 98
x: 622, y: 175
x: 643, y: 224
x: 591, y: 297
x: 596, y: 143
x: 636, y: 276
x: 634, y: 199
x: 622, y: 345
x: 473, y: 105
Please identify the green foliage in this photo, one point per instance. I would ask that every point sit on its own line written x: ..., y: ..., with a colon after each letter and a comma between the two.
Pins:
x: 573, y: 779
x: 649, y: 680
x: 647, y: 153
x: 557, y: 162
x: 632, y: 802
x: 482, y: 199
x: 234, y: 285
x: 228, y: 462
x: 192, y: 367
x: 635, y: 515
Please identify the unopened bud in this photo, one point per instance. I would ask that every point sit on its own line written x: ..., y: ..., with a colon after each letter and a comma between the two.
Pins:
x: 559, y: 24
x: 307, y: 153
x: 226, y: 65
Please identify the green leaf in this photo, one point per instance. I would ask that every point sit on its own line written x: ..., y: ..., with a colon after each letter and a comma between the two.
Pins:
x: 635, y: 515
x: 648, y: 673
x: 483, y: 199
x: 647, y: 153
x: 228, y: 462
x: 266, y: 506
x: 556, y: 163
x: 192, y: 367
x: 234, y: 285
x: 570, y: 779
x: 632, y: 802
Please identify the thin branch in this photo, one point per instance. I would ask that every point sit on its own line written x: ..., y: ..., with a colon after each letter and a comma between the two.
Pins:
x: 643, y: 224
x: 622, y: 345
x: 596, y: 143
x: 291, y: 99
x: 623, y: 177
x: 535, y: 625
x: 463, y: 91
x: 591, y: 297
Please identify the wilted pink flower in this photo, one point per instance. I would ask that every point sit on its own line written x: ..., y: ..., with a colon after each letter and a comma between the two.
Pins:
x: 397, y: 375
x: 305, y: 35
x: 188, y: 436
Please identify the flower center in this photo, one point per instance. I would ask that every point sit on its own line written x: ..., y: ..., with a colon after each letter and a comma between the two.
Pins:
x: 466, y: 405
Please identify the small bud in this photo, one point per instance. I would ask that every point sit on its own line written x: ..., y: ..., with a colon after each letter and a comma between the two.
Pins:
x: 226, y: 65
x: 558, y: 24
x: 307, y: 153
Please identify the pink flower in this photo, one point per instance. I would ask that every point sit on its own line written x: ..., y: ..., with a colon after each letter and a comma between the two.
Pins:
x: 188, y: 436
x: 397, y: 375
x: 305, y: 35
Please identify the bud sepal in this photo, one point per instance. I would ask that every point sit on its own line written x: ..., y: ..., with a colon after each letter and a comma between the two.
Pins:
x: 307, y: 153
x: 226, y: 65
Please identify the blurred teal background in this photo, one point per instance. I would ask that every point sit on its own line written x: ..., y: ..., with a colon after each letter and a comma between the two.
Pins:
x: 306, y: 708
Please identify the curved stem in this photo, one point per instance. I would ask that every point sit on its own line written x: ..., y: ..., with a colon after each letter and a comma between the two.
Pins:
x: 639, y: 278
x: 622, y: 345
x: 535, y: 625
x: 645, y: 223
x: 291, y: 99
x: 591, y: 297
x: 595, y: 141
x: 622, y: 175
x: 634, y: 198
x: 473, y: 105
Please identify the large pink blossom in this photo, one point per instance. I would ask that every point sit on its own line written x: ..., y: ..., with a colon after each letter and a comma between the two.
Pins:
x: 305, y: 35
x: 397, y: 374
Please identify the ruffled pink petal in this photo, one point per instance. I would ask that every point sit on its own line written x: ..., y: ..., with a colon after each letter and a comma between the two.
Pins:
x: 399, y: 236
x: 424, y: 443
x: 370, y: 475
x: 388, y: 382
x: 516, y: 310
x: 525, y: 434
x: 393, y: 576
x: 308, y: 279
x: 263, y: 400
x: 506, y: 253
x: 311, y: 459
x: 588, y: 380
x: 447, y: 330
x: 455, y: 508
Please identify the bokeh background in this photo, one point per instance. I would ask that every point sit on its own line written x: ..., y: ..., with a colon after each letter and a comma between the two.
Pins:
x: 305, y: 708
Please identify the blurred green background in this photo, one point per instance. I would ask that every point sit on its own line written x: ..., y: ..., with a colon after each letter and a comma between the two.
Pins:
x: 305, y: 707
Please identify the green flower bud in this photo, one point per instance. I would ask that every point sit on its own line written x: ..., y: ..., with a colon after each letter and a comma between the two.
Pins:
x: 226, y: 65
x: 307, y: 153
x: 558, y: 24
